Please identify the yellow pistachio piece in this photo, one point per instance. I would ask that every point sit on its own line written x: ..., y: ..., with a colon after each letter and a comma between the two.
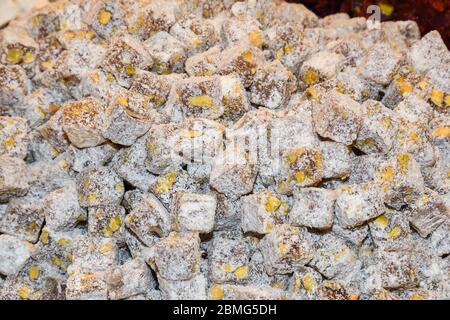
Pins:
x: 44, y: 236
x: 387, y: 173
x: 241, y: 272
x: 255, y: 38
x: 395, y: 233
x: 33, y: 272
x: 227, y: 268
x: 311, y: 76
x: 200, y: 101
x: 114, y: 223
x: 122, y: 101
x: 403, y: 160
x: 300, y: 176
x: 24, y: 293
x: 9, y: 142
x: 272, y: 203
x: 104, y: 17
x: 14, y: 55
x: 308, y: 282
x: 437, y: 97
x: 63, y: 242
x: 443, y: 132
x: 28, y: 58
x: 107, y: 247
x: 247, y: 56
x: 382, y: 222
x: 130, y: 70
x: 216, y: 292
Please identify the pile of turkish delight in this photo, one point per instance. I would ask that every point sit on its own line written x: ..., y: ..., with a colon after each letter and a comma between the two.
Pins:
x: 222, y: 149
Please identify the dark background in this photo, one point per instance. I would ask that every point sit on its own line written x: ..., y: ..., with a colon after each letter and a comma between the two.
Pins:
x: 429, y: 14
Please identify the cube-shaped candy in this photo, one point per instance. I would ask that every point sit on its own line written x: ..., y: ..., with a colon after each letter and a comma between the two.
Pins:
x: 401, y: 87
x: 144, y: 19
x: 167, y: 52
x: 261, y: 211
x: 350, y: 82
x: 125, y: 55
x: 83, y: 121
x: 381, y: 63
x: 336, y: 290
x: 337, y: 117
x: 18, y: 48
x: 14, y: 254
x: 13, y: 137
x: 304, y: 283
x: 397, y: 270
x: 233, y: 173
x: 13, y: 178
x: 303, y: 167
x: 130, y: 279
x: 195, y: 212
x: 242, y: 28
x: 167, y: 185
x: 234, y: 97
x: 14, y: 85
x: 401, y: 180
x: 332, y: 257
x: 391, y: 231
x: 364, y: 168
x: 414, y: 138
x: 195, y: 97
x: 196, y: 34
x: 358, y: 203
x: 129, y: 163
x: 355, y: 235
x: 440, y: 240
x: 177, y: 257
x: 240, y: 292
x: 428, y: 213
x: 62, y: 210
x: 337, y: 161
x: 204, y: 63
x: 82, y: 158
x: 242, y: 59
x: 191, y: 289
x: 313, y: 208
x: 160, y: 148
x: 99, y: 186
x: 429, y: 56
x: 153, y: 86
x: 285, y: 249
x: 55, y: 250
x: 272, y: 86
x: 107, y: 221
x: 415, y: 110
x: 198, y: 140
x: 105, y: 16
x: 97, y: 83
x: 229, y: 260
x: 23, y: 218
x: 320, y: 67
x: 53, y: 133
x: 94, y: 254
x: 127, y: 118
x: 378, y: 128
x: 149, y: 220
x: 87, y: 286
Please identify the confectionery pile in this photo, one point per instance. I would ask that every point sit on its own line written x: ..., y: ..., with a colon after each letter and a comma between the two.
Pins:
x: 221, y: 149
